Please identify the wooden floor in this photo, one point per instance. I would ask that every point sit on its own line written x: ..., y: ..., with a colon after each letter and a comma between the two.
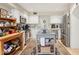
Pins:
x: 63, y: 50
x: 29, y: 49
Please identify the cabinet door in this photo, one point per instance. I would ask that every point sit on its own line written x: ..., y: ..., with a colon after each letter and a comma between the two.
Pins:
x: 66, y: 29
x: 32, y: 20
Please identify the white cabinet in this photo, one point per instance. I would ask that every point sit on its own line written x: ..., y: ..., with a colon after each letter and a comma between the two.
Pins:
x: 32, y: 20
x: 56, y: 19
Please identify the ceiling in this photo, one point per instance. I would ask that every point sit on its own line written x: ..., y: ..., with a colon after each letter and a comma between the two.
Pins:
x: 46, y: 8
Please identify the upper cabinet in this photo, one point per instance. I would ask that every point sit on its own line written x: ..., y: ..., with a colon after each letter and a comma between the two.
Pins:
x: 56, y: 19
x: 32, y: 19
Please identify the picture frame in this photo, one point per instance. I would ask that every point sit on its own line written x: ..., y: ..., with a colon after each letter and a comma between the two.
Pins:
x: 22, y: 20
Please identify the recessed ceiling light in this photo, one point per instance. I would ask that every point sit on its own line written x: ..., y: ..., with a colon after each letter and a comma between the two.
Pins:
x: 34, y: 13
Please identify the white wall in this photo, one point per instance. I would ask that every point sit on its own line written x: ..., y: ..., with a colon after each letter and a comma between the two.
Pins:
x: 26, y: 16
x: 15, y: 14
x: 74, y: 32
x: 5, y: 6
x: 56, y: 19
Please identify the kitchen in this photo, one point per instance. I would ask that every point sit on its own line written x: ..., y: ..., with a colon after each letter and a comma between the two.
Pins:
x: 39, y: 28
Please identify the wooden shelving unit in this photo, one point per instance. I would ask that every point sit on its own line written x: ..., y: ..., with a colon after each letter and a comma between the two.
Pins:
x: 7, y: 26
x: 8, y: 19
x: 11, y: 37
x: 13, y: 20
x: 16, y: 50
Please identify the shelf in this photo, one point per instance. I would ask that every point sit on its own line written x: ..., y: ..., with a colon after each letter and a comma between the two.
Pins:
x: 7, y: 26
x: 17, y: 49
x: 14, y: 51
x: 10, y: 37
x: 8, y: 19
